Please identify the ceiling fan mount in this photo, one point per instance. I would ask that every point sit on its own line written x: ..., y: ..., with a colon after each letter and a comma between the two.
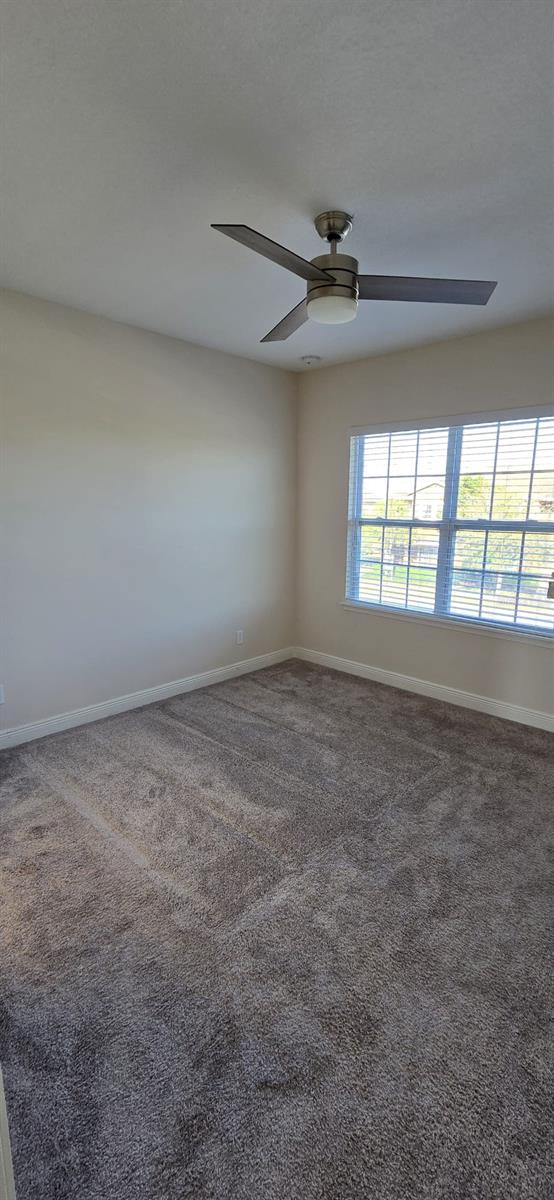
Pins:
x: 334, y: 284
x: 333, y: 226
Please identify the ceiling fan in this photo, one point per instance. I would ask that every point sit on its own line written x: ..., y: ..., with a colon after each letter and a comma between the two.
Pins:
x: 334, y: 285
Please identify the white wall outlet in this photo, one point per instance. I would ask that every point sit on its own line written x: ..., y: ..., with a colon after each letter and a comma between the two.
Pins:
x: 239, y: 637
x: 1, y: 693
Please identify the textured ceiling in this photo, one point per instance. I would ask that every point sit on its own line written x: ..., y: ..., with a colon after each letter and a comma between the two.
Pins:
x: 129, y: 125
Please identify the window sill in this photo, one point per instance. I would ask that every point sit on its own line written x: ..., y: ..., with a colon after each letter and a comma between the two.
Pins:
x: 452, y: 623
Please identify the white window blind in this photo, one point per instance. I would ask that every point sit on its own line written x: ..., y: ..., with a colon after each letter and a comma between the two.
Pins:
x: 456, y: 521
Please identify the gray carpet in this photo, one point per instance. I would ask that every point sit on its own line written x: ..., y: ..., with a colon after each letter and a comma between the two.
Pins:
x: 282, y: 939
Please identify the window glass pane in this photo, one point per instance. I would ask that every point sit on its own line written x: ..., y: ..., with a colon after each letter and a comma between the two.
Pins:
x: 424, y: 547
x: 544, y: 454
x: 396, y: 544
x: 376, y: 454
x: 370, y: 582
x: 469, y: 548
x: 478, y: 449
x: 421, y: 588
x: 516, y: 442
x: 403, y: 452
x: 374, y: 497
x: 474, y: 497
x: 534, y: 608
x: 431, y: 457
x: 503, y: 551
x: 401, y: 497
x: 429, y: 498
x: 542, y: 497
x: 465, y: 600
x: 371, y: 542
x: 394, y: 585
x: 511, y: 496
x: 499, y: 596
x: 538, y: 554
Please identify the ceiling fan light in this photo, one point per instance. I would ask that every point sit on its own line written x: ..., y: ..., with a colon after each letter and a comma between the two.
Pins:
x: 332, y: 310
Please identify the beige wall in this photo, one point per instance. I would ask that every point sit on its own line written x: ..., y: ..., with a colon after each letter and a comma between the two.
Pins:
x: 147, y: 509
x: 508, y: 368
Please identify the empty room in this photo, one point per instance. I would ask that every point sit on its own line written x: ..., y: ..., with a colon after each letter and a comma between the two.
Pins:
x: 277, y: 599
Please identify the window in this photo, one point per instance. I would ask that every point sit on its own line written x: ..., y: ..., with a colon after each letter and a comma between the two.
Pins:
x: 456, y: 521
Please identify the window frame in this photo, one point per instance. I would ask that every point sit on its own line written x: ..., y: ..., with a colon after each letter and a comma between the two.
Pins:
x: 448, y: 526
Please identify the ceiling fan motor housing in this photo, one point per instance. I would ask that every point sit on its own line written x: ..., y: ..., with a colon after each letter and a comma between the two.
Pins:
x: 344, y: 270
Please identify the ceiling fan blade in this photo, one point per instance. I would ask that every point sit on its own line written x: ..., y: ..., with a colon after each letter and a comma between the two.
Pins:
x: 278, y: 254
x: 430, y: 291
x: 293, y: 320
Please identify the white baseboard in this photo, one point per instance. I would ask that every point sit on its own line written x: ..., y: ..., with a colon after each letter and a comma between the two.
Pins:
x: 108, y: 708
x: 437, y: 691
x: 424, y: 687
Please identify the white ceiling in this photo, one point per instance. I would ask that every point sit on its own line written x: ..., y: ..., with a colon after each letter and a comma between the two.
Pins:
x: 129, y: 125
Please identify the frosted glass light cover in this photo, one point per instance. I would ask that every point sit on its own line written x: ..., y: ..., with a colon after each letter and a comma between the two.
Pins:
x: 332, y: 310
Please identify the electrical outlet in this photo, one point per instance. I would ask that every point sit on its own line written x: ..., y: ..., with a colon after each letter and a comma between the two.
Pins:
x: 239, y: 637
